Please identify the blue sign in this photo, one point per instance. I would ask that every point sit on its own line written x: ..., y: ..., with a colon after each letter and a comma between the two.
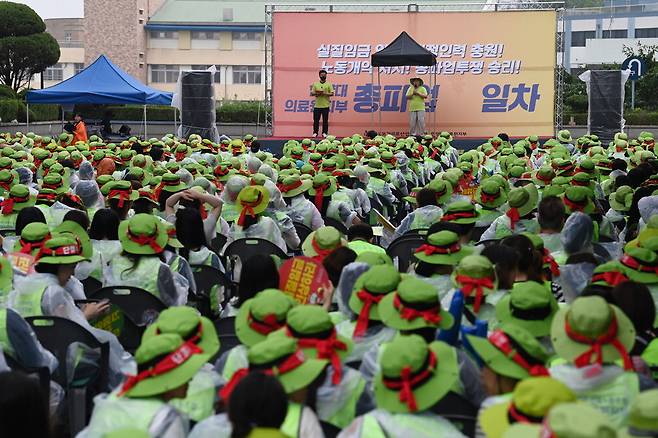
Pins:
x: 637, y: 67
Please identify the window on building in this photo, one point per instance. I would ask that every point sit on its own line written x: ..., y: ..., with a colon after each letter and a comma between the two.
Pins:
x: 164, y: 72
x: 579, y: 38
x: 651, y: 32
x: 163, y: 35
x: 78, y: 67
x: 205, y: 35
x: 617, y: 33
x: 54, y: 73
x: 246, y: 36
x: 227, y: 14
x: 216, y: 76
x: 67, y: 36
x: 247, y: 74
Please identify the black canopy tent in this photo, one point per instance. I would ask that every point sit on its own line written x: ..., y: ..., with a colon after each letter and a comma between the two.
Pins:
x: 402, y: 51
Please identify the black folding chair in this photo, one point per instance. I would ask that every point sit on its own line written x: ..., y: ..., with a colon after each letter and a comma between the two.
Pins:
x: 137, y: 309
x: 302, y: 231
x: 56, y: 335
x: 245, y: 248
x: 331, y: 222
x: 91, y: 285
x: 217, y: 244
x: 206, y: 277
x: 226, y: 333
x: 403, y: 249
x: 461, y: 413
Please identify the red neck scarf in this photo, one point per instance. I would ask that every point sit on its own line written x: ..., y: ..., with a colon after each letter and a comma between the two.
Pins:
x: 327, y: 349
x: 431, y: 315
x: 486, y: 197
x: 287, y: 188
x: 468, y: 284
x: 499, y: 339
x: 124, y: 195
x: 248, y: 209
x: 28, y: 247
x: 514, y: 217
x: 321, y: 253
x: 319, y: 194
x: 171, y: 361
x: 548, y: 258
x: 629, y: 261
x: 145, y: 240
x: 8, y: 204
x: 458, y: 215
x: 407, y: 381
x: 596, y: 344
x: 431, y: 249
x: 368, y: 299
x: 266, y: 326
x: 612, y: 278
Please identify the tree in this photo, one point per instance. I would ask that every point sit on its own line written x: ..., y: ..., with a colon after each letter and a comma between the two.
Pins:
x: 25, y: 46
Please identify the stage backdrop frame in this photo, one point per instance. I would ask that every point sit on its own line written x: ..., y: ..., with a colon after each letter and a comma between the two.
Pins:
x: 271, y: 10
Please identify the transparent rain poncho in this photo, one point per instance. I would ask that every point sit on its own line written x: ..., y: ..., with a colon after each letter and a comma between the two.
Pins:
x: 577, y: 233
x: 90, y: 194
x: 86, y: 171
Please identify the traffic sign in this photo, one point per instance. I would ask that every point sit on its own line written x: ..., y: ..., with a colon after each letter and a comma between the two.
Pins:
x: 637, y: 67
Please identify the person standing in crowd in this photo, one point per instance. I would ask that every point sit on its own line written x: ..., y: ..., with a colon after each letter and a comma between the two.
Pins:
x: 416, y: 95
x: 80, y: 129
x: 322, y: 90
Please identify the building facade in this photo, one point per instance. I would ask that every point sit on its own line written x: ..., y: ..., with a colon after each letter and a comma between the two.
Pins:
x: 154, y: 40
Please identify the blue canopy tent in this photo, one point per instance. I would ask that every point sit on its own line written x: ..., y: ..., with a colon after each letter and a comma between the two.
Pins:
x: 100, y: 83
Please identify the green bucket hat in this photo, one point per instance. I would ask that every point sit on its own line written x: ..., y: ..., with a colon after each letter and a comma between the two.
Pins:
x: 414, y: 375
x: 164, y: 362
x: 414, y: 305
x: 323, y: 186
x: 532, y: 399
x: 643, y: 416
x: 293, y: 185
x: 475, y: 276
x: 622, y: 199
x: 54, y: 181
x: 520, y: 199
x: 590, y: 324
x: 189, y: 325
x: 511, y: 351
x: 461, y: 212
x: 61, y: 249
x: 261, y: 315
x: 543, y: 176
x: 640, y: 264
x: 142, y: 234
x: 32, y: 238
x: 252, y: 201
x: 322, y: 241
x: 279, y: 355
x: 369, y: 290
x: 120, y: 190
x: 564, y: 136
x: 577, y: 420
x: 577, y: 198
x: 490, y: 194
x: 372, y: 258
x: 529, y: 305
x: 171, y: 182
x: 79, y: 233
x: 376, y: 168
x: 609, y: 274
x: 442, y: 248
x: 442, y: 189
x: 19, y: 197
x: 316, y: 336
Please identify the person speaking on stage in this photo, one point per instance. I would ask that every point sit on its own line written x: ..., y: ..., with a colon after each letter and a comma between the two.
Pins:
x: 322, y: 90
x: 416, y: 95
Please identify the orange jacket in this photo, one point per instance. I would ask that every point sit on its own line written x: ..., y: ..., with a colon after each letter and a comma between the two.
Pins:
x: 80, y: 132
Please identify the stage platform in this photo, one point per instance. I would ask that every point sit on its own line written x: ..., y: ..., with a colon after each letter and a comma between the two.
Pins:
x: 275, y: 144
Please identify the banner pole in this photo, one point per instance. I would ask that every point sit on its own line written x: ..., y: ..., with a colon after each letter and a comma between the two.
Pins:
x: 633, y: 95
x: 379, y: 81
